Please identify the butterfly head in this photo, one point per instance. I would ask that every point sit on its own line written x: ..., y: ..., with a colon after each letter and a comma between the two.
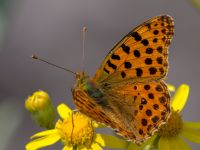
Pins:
x: 81, y: 79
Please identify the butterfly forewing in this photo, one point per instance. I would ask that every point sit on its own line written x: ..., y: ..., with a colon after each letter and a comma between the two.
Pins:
x: 142, y: 53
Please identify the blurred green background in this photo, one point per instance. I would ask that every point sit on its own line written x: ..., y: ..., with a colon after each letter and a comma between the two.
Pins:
x: 52, y: 29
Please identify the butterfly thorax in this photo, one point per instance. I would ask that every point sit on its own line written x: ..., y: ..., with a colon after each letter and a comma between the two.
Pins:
x: 86, y: 85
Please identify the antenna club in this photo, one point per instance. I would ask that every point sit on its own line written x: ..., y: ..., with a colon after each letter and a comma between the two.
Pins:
x: 34, y: 57
x: 84, y: 29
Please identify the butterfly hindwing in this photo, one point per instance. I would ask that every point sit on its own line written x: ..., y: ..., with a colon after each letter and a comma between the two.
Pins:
x: 144, y: 107
x: 141, y: 54
x: 135, y: 112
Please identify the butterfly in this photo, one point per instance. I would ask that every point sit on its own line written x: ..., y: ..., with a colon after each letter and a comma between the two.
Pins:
x: 128, y: 92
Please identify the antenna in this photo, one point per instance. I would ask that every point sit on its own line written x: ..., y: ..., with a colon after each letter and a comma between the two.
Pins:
x: 84, y: 30
x: 40, y: 59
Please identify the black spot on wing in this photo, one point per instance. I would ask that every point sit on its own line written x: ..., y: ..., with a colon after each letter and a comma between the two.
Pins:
x: 127, y: 65
x: 123, y: 74
x: 144, y: 122
x: 139, y: 72
x: 136, y: 53
x: 106, y: 70
x: 149, y: 50
x: 125, y: 48
x: 155, y: 119
x: 116, y: 57
x: 145, y: 42
x: 110, y: 64
x: 148, y: 61
x: 152, y: 70
x: 155, y: 32
x: 136, y: 36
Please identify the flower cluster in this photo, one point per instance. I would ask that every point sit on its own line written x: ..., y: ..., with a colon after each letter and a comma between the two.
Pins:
x: 78, y: 132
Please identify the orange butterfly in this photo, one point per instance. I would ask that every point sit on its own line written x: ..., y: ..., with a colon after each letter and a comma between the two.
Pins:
x: 127, y: 92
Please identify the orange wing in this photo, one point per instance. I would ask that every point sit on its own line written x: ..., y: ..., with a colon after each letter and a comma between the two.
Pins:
x: 141, y: 55
x: 142, y: 108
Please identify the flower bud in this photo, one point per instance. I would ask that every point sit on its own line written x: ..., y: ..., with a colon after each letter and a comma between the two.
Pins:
x: 41, y: 109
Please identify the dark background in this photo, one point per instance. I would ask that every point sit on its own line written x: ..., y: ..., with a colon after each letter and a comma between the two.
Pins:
x: 52, y: 30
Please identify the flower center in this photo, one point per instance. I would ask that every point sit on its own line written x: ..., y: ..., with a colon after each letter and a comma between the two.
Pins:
x: 76, y: 130
x: 173, y: 126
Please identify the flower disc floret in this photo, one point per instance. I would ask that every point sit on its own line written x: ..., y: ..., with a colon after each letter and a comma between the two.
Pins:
x: 77, y: 129
x: 173, y: 127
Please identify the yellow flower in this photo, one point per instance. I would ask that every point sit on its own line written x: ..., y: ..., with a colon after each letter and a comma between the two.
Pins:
x: 75, y: 131
x: 172, y: 135
x: 41, y: 109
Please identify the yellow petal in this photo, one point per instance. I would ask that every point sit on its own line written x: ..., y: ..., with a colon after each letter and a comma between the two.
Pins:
x: 190, y: 134
x: 163, y: 144
x: 99, y: 139
x: 42, y: 142
x: 110, y: 141
x: 180, y: 97
x: 177, y: 143
x: 64, y: 111
x: 96, y: 146
x: 171, y: 87
x: 45, y: 133
x: 194, y: 125
x: 81, y: 147
x: 67, y: 147
x: 98, y: 125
